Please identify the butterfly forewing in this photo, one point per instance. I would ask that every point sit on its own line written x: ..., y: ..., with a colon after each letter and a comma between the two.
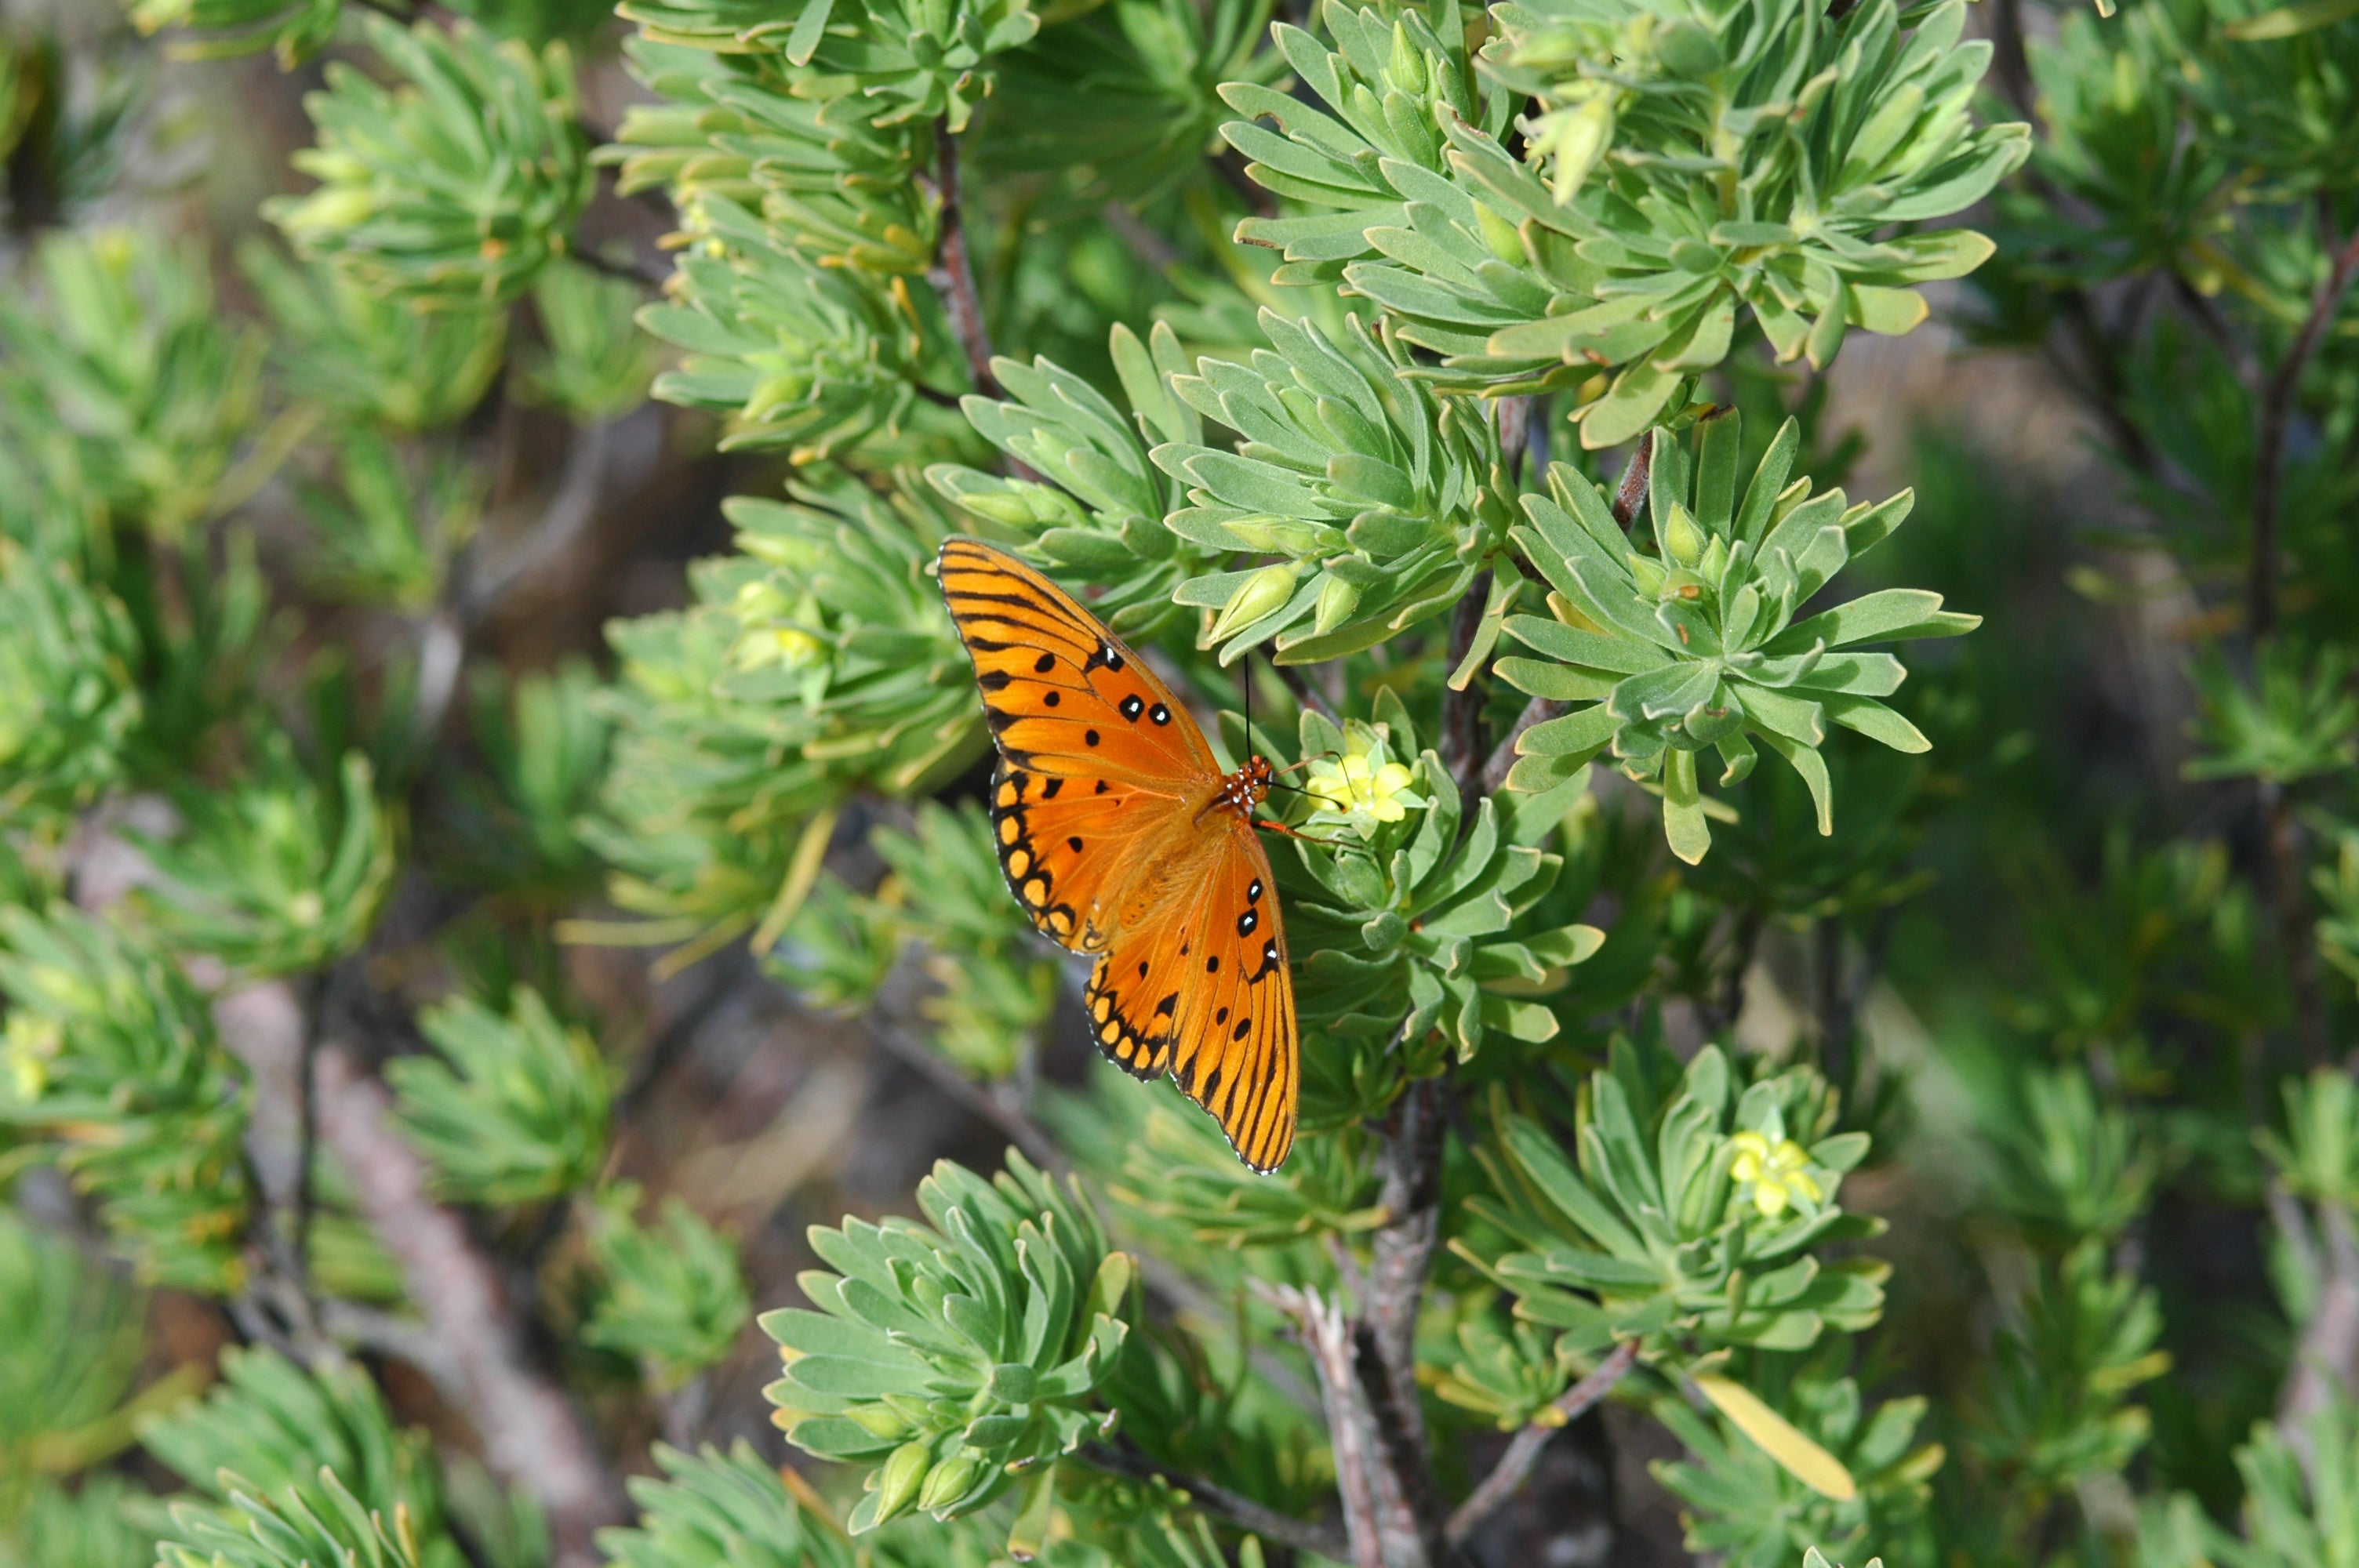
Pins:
x: 1063, y: 694
x: 1110, y: 828
x: 1065, y: 842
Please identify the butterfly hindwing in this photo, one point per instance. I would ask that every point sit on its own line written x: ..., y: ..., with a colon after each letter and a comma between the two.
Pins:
x: 1196, y: 982
x: 1237, y: 1047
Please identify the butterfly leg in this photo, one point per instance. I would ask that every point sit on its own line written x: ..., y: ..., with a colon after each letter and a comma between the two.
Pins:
x: 1281, y: 827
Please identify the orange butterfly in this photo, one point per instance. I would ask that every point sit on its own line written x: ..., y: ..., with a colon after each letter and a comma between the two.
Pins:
x: 1121, y: 837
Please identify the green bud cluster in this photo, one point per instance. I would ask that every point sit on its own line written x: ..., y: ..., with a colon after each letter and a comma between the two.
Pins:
x: 455, y: 187
x: 958, y: 1354
x: 1694, y: 645
x: 1386, y: 501
x: 1099, y: 516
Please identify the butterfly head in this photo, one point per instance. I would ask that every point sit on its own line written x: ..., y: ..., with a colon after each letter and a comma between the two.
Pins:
x: 1247, y: 787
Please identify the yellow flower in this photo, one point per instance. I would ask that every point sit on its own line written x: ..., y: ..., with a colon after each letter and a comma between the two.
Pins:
x: 785, y: 646
x: 1775, y: 1175
x: 27, y: 1047
x: 1353, y: 785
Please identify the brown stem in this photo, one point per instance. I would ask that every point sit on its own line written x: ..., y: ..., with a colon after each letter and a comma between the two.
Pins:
x: 1539, y: 710
x: 2010, y: 65
x: 532, y: 1436
x: 1420, y: 1507
x: 1827, y: 976
x: 953, y: 272
x: 1400, y: 1256
x: 1631, y: 494
x: 2276, y: 415
x: 307, y: 1126
x: 1522, y: 1453
x: 1019, y: 1128
x: 2325, y: 1364
x: 1462, y: 710
x: 1328, y: 1341
x: 2279, y: 876
x: 1747, y: 940
x: 1304, y: 692
x: 1318, y: 1540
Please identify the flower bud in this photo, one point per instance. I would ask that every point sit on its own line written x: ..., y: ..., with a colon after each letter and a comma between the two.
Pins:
x: 880, y: 1420
x: 998, y: 506
x: 1577, y: 137
x: 899, y: 1478
x: 1682, y: 540
x: 1406, y: 71
x: 1261, y: 594
x: 946, y: 1482
x: 1337, y: 600
x: 1500, y: 235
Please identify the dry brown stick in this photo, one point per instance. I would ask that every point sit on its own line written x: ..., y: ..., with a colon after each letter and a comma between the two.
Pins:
x: 1524, y: 1451
x: 1328, y: 1340
x: 2324, y: 1369
x: 953, y: 271
x: 1320, y: 1539
x: 1462, y: 710
x: 532, y: 1436
x: 2276, y: 417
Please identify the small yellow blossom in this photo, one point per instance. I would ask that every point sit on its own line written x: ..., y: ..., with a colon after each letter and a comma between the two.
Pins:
x: 28, y: 1045
x: 1775, y: 1175
x: 1353, y: 785
x: 785, y: 646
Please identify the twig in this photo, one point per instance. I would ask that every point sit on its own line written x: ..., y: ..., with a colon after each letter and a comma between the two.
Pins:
x: 953, y: 272
x: 1462, y: 710
x: 1019, y: 1128
x: 1329, y: 1343
x: 1539, y: 710
x: 1400, y: 1255
x: 1524, y: 1451
x: 2278, y: 878
x: 307, y: 1126
x: 1304, y: 692
x: 532, y: 1436
x: 2269, y: 471
x: 367, y: 1328
x: 1320, y: 1539
x: 572, y: 507
x: 723, y: 976
x: 1145, y: 242
x: 2325, y: 1364
x: 639, y: 270
x: 1420, y: 1509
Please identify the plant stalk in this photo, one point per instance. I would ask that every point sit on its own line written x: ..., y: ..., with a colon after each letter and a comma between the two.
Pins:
x: 1523, y: 1452
x: 953, y: 271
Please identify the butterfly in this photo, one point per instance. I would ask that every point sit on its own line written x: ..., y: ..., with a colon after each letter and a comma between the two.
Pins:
x: 1122, y: 838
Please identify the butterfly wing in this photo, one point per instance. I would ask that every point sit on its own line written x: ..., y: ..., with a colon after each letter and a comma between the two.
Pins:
x: 1067, y: 844
x: 1102, y: 811
x: 1196, y: 980
x: 1063, y: 695
x: 1096, y: 752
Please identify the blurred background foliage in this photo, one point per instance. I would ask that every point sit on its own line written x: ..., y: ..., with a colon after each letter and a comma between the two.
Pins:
x: 515, y: 1051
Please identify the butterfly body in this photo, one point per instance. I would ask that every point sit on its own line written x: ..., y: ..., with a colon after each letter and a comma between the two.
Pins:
x: 1124, y: 838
